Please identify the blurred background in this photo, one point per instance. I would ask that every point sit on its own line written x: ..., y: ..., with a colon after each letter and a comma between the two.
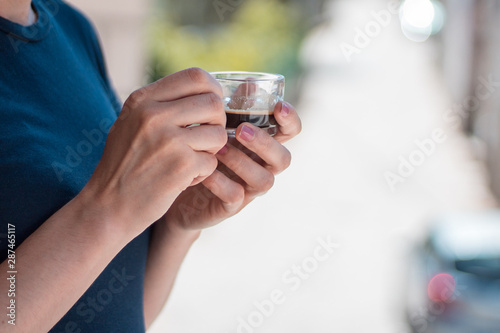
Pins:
x: 386, y: 220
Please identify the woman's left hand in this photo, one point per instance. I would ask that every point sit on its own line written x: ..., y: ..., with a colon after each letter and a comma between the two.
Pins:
x: 247, y: 167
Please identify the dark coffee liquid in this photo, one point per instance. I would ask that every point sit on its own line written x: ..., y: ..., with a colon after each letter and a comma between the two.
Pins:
x: 261, y: 119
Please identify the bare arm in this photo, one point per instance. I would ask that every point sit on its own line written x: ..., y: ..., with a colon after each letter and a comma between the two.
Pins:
x: 47, y: 285
x: 150, y: 157
x: 166, y: 254
x: 224, y: 196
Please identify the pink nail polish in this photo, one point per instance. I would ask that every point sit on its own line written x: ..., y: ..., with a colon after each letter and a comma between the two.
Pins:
x: 222, y: 151
x: 247, y: 133
x: 285, y: 109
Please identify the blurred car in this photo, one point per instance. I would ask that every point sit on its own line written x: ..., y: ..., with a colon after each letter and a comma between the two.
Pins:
x: 454, y: 277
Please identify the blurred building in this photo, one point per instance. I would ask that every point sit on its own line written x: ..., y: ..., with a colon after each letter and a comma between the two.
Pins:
x: 471, y: 49
x: 121, y: 26
x: 486, y: 122
x: 205, y: 12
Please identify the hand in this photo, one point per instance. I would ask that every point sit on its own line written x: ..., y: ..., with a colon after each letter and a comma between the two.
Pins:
x: 240, y: 177
x: 151, y: 156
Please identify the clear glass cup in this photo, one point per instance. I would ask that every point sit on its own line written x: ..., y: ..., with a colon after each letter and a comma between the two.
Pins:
x: 251, y: 97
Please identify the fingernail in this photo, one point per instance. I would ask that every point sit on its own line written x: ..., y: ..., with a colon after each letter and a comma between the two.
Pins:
x: 246, y: 133
x: 285, y: 109
x: 222, y: 151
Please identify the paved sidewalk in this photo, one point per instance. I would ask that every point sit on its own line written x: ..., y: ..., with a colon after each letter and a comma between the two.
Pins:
x: 358, y: 118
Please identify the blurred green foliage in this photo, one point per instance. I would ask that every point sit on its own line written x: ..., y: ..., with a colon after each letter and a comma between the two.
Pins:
x: 258, y: 35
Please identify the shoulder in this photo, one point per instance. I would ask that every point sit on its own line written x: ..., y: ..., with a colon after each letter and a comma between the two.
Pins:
x: 70, y: 18
x: 76, y: 28
x: 81, y: 34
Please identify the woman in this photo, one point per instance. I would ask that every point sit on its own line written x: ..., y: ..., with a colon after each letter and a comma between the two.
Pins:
x: 105, y: 198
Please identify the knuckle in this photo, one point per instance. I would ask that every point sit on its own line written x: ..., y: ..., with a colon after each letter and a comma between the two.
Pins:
x: 183, y: 163
x: 298, y: 129
x: 146, y: 121
x: 267, y: 181
x: 136, y: 98
x: 214, y: 102
x: 172, y: 142
x: 218, y: 87
x: 286, y: 160
x: 214, y: 162
x: 237, y: 195
x: 197, y: 75
x: 223, y: 119
x: 221, y: 135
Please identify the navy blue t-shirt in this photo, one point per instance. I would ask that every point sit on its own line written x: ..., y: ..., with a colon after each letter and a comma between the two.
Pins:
x: 56, y: 108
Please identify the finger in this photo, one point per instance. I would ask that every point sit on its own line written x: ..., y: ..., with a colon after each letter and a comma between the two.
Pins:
x: 188, y: 82
x: 200, y: 109
x: 273, y: 153
x: 255, y: 177
x: 206, y: 164
x: 208, y: 138
x: 228, y: 191
x: 244, y: 96
x: 289, y: 124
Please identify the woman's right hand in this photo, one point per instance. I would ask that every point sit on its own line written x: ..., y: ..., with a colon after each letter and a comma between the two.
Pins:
x: 151, y: 155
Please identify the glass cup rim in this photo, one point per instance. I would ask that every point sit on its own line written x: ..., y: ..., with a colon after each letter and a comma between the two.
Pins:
x: 261, y: 76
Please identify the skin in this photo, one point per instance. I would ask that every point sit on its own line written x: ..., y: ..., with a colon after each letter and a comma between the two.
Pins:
x: 235, y: 183
x: 18, y: 11
x: 151, y: 170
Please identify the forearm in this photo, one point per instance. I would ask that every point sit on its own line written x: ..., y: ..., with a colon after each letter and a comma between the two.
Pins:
x: 57, y: 263
x: 167, y: 251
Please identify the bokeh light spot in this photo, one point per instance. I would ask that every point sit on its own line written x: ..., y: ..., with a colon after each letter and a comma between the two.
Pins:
x: 441, y: 287
x: 418, y: 13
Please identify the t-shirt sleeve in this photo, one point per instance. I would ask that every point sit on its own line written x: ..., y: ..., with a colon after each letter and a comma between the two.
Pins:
x: 115, y: 101
x: 88, y: 34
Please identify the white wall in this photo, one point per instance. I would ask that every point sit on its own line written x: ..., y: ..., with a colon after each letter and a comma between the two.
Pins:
x: 121, y: 26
